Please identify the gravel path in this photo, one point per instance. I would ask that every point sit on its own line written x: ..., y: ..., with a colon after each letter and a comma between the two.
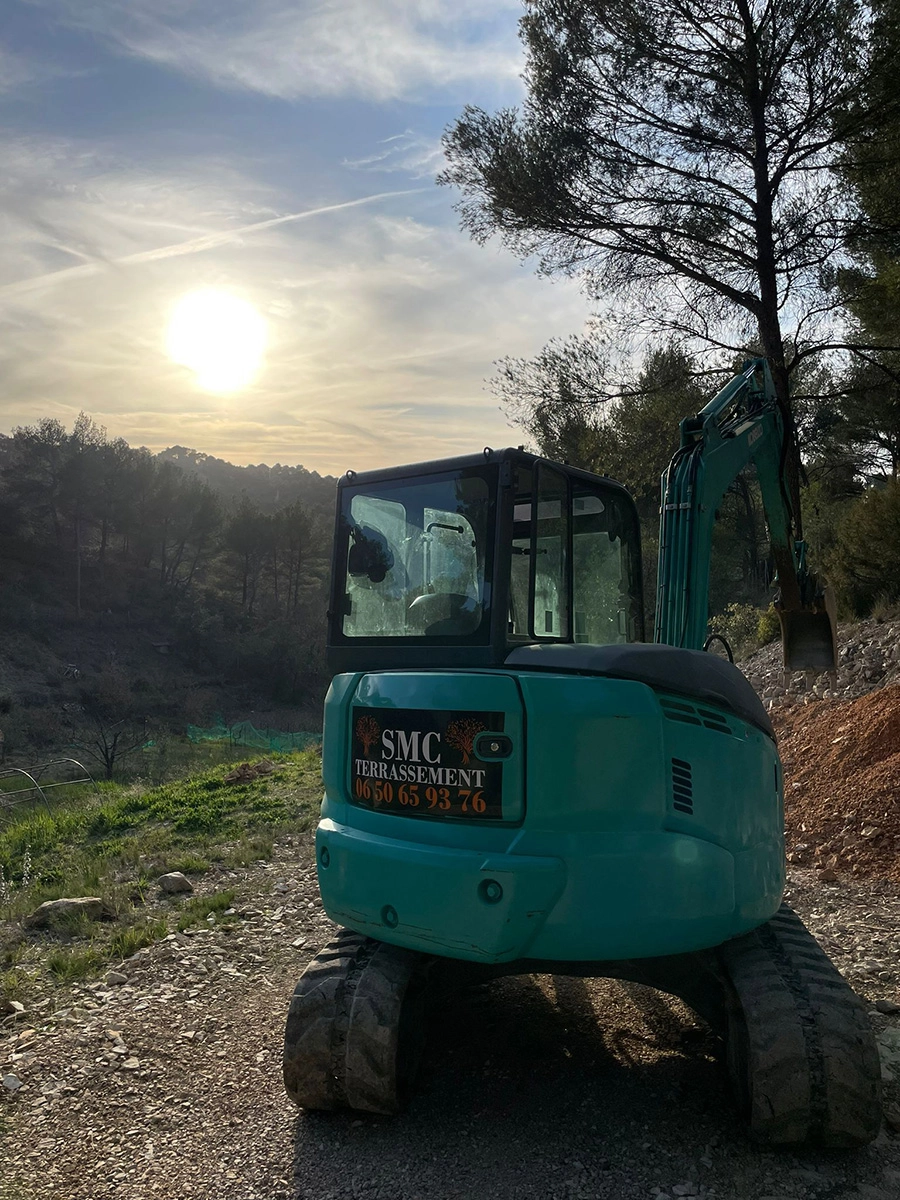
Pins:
x: 169, y: 1085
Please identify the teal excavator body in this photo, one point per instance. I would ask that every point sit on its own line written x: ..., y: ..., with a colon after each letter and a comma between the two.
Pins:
x: 516, y: 782
x: 511, y: 773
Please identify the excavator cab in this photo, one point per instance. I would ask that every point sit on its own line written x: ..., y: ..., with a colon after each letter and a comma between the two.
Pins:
x: 459, y: 562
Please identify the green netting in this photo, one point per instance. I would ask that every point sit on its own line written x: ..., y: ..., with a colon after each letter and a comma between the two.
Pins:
x: 244, y: 734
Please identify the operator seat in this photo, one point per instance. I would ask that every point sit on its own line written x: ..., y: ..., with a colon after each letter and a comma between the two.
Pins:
x: 445, y: 614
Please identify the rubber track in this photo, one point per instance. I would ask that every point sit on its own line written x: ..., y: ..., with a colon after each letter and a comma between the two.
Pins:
x: 344, y: 1043
x: 801, y: 1050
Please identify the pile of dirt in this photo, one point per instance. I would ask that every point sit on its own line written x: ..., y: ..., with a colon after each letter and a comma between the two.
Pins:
x: 246, y: 772
x: 842, y: 783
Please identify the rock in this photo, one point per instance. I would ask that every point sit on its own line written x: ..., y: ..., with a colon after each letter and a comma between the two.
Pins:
x: 174, y: 883
x: 55, y: 912
x: 887, y: 1006
x: 828, y: 875
x: 116, y: 978
x: 131, y: 1064
x: 12, y: 1083
x: 13, y: 1010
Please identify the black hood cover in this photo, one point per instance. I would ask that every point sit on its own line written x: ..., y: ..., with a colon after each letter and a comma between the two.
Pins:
x: 692, y: 673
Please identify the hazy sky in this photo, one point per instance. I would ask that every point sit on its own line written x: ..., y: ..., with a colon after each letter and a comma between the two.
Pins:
x: 283, y: 151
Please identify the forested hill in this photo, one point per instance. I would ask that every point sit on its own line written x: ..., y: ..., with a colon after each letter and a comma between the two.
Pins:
x: 168, y: 588
x: 270, y: 487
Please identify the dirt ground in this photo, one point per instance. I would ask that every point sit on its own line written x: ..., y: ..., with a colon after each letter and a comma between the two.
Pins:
x: 169, y: 1085
x: 842, y: 795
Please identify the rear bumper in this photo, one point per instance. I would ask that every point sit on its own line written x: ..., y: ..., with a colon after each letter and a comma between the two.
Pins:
x: 599, y: 897
x: 460, y: 903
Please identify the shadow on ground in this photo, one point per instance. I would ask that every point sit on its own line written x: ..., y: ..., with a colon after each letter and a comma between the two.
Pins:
x: 536, y: 1087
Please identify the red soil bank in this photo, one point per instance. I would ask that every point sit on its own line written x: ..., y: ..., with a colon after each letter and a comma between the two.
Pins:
x: 842, y: 783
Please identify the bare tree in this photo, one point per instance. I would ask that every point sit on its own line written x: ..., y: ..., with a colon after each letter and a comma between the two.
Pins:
x: 108, y: 742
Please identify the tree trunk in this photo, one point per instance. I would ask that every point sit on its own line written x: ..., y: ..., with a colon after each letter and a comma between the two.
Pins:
x: 768, y: 320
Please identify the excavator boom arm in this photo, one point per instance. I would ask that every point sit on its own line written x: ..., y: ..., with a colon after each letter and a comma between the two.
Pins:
x: 742, y: 424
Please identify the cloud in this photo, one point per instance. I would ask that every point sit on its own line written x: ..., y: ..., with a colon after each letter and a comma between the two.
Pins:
x: 408, y: 153
x: 369, y: 49
x: 383, y: 319
x: 194, y: 245
x: 19, y: 72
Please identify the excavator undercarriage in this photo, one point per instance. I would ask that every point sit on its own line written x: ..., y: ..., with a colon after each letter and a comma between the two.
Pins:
x: 796, y: 1040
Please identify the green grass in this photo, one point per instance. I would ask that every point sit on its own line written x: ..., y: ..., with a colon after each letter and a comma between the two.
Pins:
x: 128, y: 940
x: 80, y: 962
x: 115, y: 846
x: 14, y: 984
x: 187, y: 824
x: 248, y: 850
x: 198, y: 908
x: 187, y: 863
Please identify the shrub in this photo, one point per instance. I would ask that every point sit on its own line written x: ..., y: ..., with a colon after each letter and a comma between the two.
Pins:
x: 739, y: 625
x: 865, y: 561
x: 768, y: 627
x: 885, y: 608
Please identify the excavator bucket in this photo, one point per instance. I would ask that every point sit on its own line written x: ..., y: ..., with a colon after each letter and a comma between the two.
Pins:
x: 809, y: 637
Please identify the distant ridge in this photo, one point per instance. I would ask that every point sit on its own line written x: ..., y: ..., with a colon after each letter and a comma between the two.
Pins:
x: 269, y: 487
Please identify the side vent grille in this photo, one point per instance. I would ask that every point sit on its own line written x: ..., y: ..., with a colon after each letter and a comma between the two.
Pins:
x: 677, y: 710
x: 691, y: 714
x: 682, y: 786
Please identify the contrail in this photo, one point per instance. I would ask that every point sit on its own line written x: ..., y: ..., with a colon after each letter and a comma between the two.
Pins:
x: 207, y: 241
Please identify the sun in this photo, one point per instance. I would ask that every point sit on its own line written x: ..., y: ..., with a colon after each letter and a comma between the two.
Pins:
x: 218, y: 336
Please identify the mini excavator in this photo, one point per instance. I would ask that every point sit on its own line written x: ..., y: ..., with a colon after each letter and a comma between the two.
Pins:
x: 517, y: 782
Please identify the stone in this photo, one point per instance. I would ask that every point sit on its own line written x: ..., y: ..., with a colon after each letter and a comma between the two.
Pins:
x: 174, y: 882
x: 887, y: 1006
x: 116, y: 978
x: 54, y: 912
x: 12, y: 1083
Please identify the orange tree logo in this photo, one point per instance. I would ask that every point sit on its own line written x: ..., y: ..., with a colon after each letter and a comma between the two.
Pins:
x: 368, y: 731
x: 462, y: 734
